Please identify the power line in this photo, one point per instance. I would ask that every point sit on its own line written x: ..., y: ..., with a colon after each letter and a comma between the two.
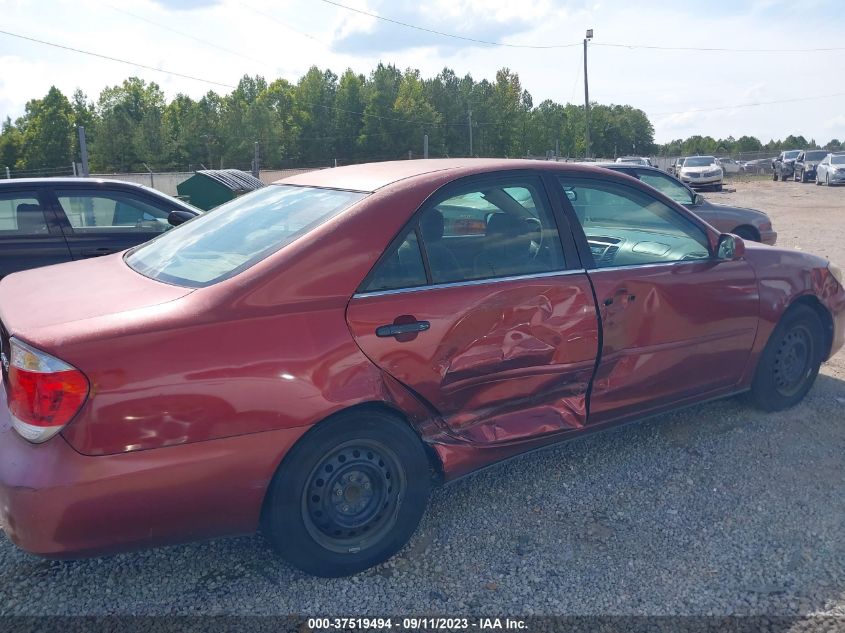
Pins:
x: 280, y: 23
x: 751, y: 105
x: 451, y: 35
x: 188, y: 35
x: 115, y: 59
x: 572, y: 45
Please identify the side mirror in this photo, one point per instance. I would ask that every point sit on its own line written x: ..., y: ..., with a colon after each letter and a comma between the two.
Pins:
x: 731, y: 247
x: 175, y: 218
x: 697, y: 199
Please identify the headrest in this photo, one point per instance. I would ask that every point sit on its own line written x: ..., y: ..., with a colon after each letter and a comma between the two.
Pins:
x: 505, y: 224
x: 431, y: 225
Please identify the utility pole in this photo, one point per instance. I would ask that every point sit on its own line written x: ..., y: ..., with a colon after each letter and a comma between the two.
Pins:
x: 425, y: 145
x: 256, y: 165
x: 83, y: 150
x: 469, y: 123
x: 587, y: 95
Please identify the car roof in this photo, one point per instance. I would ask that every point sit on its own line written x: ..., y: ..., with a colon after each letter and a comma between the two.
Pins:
x: 375, y: 176
x: 79, y: 180
x: 105, y: 183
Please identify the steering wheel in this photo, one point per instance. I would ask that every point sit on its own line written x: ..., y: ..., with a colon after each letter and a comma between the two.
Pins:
x: 536, y: 244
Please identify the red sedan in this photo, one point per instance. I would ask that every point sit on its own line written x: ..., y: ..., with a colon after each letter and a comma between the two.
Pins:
x: 311, y: 357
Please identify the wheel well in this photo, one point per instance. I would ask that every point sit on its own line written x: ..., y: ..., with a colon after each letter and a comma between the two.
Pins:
x: 435, y: 464
x: 746, y: 230
x: 824, y: 315
x: 433, y: 459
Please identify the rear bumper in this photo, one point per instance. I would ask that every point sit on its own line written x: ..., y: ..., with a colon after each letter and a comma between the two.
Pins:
x: 56, y: 502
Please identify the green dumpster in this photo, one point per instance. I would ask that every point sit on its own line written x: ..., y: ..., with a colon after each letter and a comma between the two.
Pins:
x: 209, y: 188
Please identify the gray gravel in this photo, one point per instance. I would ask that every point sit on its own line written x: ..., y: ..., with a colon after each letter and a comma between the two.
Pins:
x: 718, y: 509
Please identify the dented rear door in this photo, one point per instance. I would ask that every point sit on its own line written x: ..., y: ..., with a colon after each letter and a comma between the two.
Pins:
x: 499, y: 361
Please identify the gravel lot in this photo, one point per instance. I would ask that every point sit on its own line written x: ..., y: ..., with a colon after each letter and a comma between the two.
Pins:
x: 715, y: 510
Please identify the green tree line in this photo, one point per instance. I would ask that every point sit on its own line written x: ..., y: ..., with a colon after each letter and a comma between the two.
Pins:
x: 743, y: 145
x: 319, y: 119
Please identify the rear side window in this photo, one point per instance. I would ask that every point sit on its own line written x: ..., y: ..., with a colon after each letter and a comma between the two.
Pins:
x: 21, y: 214
x: 238, y: 234
x: 501, y: 228
x: 402, y: 267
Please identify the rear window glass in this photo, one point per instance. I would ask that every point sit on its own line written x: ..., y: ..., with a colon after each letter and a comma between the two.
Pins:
x: 236, y: 235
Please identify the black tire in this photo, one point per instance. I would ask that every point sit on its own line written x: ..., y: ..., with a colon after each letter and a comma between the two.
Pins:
x: 783, y: 178
x: 774, y: 176
x: 377, y: 473
x: 719, y: 187
x: 790, y: 361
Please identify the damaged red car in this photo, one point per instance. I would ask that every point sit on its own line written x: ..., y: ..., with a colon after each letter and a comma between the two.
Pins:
x: 310, y: 358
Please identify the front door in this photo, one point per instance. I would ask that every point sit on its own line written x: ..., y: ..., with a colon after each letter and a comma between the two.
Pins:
x: 500, y: 345
x: 677, y: 323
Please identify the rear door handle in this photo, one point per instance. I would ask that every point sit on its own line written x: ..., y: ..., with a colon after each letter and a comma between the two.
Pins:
x: 395, y: 329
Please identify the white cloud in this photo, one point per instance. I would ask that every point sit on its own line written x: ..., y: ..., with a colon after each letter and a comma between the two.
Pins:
x: 657, y: 81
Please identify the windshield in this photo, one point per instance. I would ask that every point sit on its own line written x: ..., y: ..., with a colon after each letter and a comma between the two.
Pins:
x: 815, y: 155
x: 791, y: 154
x: 699, y: 161
x: 237, y: 235
x: 838, y: 160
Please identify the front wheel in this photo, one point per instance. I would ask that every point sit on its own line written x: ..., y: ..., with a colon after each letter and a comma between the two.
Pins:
x: 775, y: 176
x: 790, y: 361
x: 349, y: 495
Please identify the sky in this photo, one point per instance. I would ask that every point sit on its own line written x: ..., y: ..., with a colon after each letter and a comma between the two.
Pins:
x: 684, y: 92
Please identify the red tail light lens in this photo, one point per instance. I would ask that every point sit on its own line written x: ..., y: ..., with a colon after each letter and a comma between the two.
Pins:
x: 44, y: 392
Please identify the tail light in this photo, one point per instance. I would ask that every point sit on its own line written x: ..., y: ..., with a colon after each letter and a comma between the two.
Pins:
x: 44, y: 392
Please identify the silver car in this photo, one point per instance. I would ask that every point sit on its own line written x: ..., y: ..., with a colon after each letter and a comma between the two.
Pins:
x: 831, y: 171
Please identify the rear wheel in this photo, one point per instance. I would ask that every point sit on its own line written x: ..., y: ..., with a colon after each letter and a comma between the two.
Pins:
x: 349, y: 495
x: 790, y: 362
x: 774, y: 176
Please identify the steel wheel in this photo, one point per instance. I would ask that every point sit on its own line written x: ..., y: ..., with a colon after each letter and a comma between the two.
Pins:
x: 352, y: 496
x: 793, y: 361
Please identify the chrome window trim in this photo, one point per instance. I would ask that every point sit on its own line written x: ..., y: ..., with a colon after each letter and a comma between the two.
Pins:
x: 593, y: 271
x: 470, y: 282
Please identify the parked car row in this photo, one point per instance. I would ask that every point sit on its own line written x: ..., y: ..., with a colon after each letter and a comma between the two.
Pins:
x: 809, y: 165
x: 312, y: 356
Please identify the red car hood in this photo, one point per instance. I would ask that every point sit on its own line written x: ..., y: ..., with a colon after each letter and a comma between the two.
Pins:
x: 33, y: 302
